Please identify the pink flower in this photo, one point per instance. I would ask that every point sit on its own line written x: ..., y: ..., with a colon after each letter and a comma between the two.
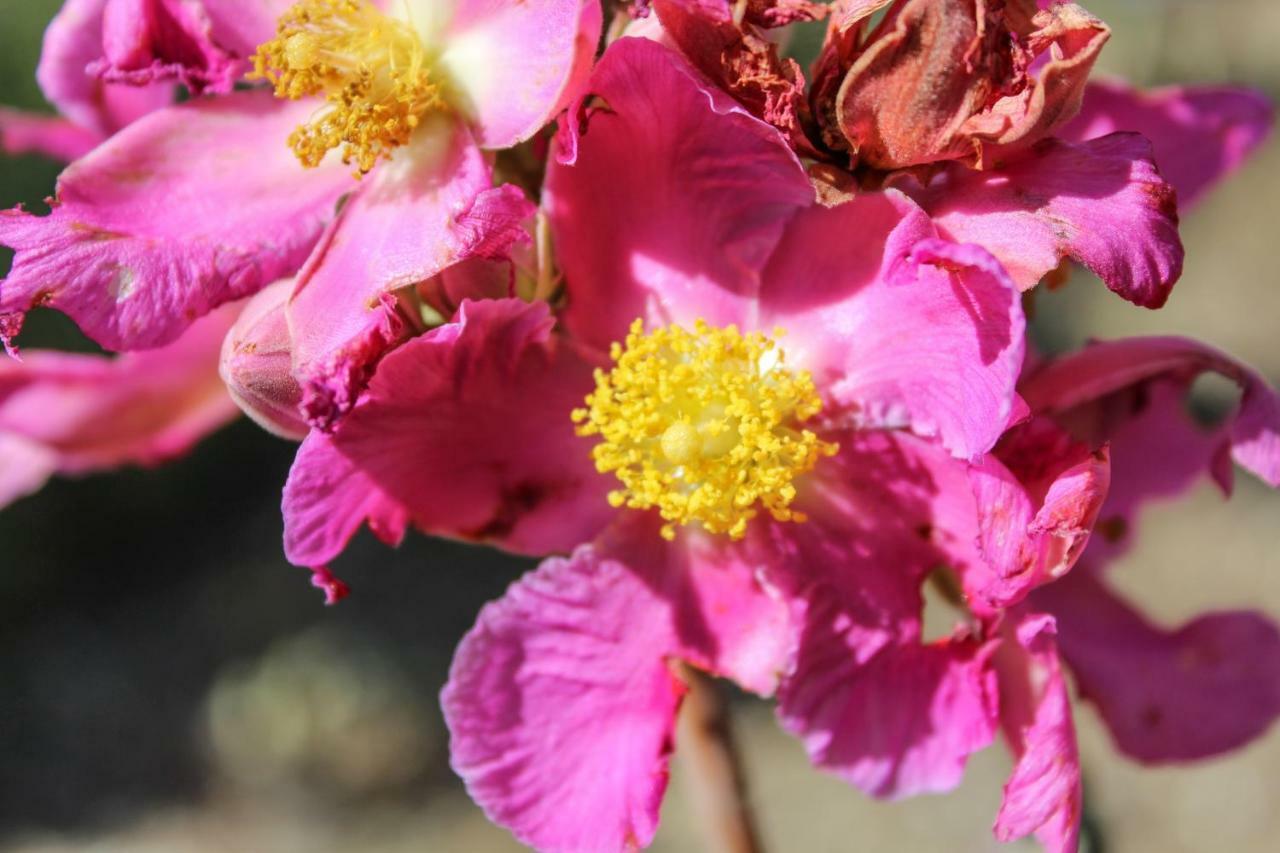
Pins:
x: 561, y: 700
x: 205, y: 202
x: 72, y: 414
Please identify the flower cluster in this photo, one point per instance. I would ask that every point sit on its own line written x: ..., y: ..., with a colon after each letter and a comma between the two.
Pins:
x: 741, y: 352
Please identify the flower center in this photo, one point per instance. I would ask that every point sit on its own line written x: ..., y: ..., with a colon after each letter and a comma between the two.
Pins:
x: 373, y: 71
x: 703, y: 425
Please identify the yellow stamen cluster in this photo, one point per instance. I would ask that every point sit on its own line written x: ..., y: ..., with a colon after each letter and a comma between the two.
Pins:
x: 373, y: 71
x: 703, y: 425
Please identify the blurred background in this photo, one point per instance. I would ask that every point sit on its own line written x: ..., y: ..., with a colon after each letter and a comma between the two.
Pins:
x: 169, y: 683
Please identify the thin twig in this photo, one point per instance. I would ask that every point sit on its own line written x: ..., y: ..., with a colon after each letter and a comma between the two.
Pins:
x: 718, y: 786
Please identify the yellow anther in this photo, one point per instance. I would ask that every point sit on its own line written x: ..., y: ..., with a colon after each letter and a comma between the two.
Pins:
x: 373, y: 71
x: 703, y: 425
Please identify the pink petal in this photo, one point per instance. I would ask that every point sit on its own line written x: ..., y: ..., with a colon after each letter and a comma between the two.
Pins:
x: 257, y: 364
x: 1200, y: 133
x: 1205, y: 688
x: 465, y: 431
x: 430, y: 208
x: 561, y: 701
x: 72, y: 42
x: 25, y: 466
x: 78, y: 414
x: 53, y: 137
x: 514, y: 65
x: 1037, y: 498
x: 327, y: 499
x: 1043, y: 793
x: 870, y: 700
x: 946, y: 363
x: 1107, y: 368
x: 192, y: 207
x: 693, y: 191
x: 1101, y: 202
x: 147, y: 41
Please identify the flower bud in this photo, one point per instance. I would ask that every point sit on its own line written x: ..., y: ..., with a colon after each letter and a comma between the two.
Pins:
x: 256, y: 364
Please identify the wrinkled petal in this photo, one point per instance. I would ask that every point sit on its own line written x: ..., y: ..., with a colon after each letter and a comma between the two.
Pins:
x: 1202, y: 689
x: 515, y: 64
x: 1252, y: 434
x: 257, y: 364
x: 903, y: 724
x: 947, y: 363
x: 72, y: 42
x: 958, y: 79
x: 1037, y: 498
x: 75, y: 414
x: 146, y: 41
x: 1200, y: 133
x: 466, y: 432
x: 561, y: 701
x: 192, y: 207
x: 871, y: 702
x: 743, y: 61
x: 693, y: 191
x: 51, y: 136
x: 1102, y: 203
x: 1043, y: 794
x: 431, y: 207
x: 328, y: 498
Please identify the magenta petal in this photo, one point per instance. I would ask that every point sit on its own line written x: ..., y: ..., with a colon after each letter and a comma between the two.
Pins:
x: 75, y: 414
x: 947, y: 363
x: 72, y: 42
x: 327, y: 498
x: 147, y: 41
x: 1103, y: 369
x: 901, y: 725
x: 1200, y: 133
x: 514, y: 64
x: 54, y: 137
x: 1205, y: 688
x: 561, y: 701
x: 466, y: 431
x: 870, y: 700
x: 431, y: 207
x: 1037, y: 498
x: 192, y: 207
x: 1043, y: 793
x: 1102, y: 203
x: 692, y: 190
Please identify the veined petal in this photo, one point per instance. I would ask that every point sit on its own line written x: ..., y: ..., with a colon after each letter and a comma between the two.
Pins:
x: 432, y: 206
x: 515, y: 64
x: 692, y: 189
x: 1043, y: 794
x: 466, y: 432
x: 1096, y: 372
x: 1102, y: 203
x: 1201, y: 134
x: 872, y: 702
x: 1036, y: 499
x: 182, y: 212
x: 561, y: 701
x: 947, y: 363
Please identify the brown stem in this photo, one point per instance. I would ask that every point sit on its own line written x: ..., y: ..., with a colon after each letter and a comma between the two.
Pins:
x: 718, y: 786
